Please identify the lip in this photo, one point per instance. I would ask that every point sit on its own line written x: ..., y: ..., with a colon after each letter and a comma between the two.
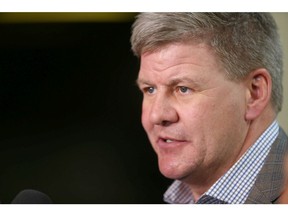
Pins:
x: 173, y: 143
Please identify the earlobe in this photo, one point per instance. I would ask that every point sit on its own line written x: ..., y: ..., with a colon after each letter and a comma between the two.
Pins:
x: 259, y: 87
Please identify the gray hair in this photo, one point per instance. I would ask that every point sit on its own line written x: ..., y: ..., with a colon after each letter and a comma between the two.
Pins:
x: 242, y: 41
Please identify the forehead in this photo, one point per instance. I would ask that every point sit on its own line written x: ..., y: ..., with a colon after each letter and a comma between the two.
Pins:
x: 177, y: 58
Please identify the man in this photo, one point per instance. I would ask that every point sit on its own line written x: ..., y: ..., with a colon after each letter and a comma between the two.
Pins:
x: 212, y: 89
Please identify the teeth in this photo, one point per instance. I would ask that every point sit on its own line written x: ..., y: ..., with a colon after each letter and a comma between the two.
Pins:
x: 169, y: 141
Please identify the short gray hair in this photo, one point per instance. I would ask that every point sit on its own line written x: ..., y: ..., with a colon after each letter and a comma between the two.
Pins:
x: 242, y: 41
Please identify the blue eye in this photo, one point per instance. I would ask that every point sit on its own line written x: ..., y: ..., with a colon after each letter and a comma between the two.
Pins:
x: 183, y: 89
x: 150, y: 90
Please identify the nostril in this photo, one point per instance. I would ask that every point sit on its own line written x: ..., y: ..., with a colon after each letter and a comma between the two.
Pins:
x: 165, y: 123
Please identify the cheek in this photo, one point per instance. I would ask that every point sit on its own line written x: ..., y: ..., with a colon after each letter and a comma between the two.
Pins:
x: 196, y: 114
x: 209, y: 121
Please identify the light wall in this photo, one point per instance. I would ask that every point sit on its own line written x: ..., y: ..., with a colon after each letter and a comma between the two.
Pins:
x: 282, y: 21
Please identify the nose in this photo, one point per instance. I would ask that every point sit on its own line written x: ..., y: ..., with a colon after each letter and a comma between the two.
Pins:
x: 163, y: 112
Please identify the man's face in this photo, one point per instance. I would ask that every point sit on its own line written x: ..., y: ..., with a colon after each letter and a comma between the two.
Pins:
x: 193, y: 115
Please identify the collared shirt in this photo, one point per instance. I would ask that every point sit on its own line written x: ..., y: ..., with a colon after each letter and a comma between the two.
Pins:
x: 235, y: 185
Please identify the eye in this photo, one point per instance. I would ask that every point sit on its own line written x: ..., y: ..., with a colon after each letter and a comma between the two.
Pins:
x: 149, y: 90
x: 183, y: 89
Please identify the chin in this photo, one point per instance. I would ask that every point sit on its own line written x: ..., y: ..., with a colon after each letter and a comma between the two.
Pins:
x: 175, y: 168
x: 172, y: 172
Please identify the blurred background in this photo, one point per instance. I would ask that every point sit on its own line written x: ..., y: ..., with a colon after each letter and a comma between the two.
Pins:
x: 70, y: 110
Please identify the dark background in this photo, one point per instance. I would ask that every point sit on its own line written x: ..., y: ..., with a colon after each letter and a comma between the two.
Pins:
x: 70, y: 115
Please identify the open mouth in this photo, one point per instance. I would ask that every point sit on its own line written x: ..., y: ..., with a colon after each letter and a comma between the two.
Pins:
x: 168, y: 140
x: 170, y: 144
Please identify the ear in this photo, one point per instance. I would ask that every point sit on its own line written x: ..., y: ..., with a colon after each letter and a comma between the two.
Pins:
x: 259, y: 87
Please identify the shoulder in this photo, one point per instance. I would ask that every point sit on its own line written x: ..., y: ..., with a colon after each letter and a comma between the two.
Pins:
x: 271, y: 185
x: 282, y: 148
x: 283, y: 198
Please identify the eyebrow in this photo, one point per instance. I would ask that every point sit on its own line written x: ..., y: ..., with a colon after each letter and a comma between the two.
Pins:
x: 176, y: 81
x: 171, y: 82
x: 141, y: 82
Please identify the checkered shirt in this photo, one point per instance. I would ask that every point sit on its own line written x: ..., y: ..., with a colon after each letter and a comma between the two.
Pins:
x: 234, y: 186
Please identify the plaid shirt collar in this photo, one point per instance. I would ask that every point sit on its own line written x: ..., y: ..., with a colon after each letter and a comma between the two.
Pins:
x: 234, y: 186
